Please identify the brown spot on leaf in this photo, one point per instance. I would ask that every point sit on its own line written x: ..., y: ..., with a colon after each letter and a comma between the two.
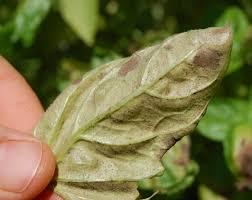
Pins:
x: 168, y: 46
x: 129, y: 66
x: 245, y: 159
x: 207, y: 58
x: 167, y: 144
x: 184, y: 157
x: 77, y: 81
x: 220, y: 30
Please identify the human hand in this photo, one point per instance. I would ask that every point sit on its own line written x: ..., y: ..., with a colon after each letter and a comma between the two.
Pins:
x: 26, y: 164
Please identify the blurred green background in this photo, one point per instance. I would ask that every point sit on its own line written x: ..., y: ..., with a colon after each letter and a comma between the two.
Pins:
x: 54, y: 42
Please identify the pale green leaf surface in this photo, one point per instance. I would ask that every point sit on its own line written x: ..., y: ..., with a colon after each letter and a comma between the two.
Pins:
x: 82, y: 16
x: 97, y: 191
x: 115, y: 124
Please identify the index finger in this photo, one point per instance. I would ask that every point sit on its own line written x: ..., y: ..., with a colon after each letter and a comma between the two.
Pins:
x: 19, y: 106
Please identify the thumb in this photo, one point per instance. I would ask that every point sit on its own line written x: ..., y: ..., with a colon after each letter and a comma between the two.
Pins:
x: 26, y: 165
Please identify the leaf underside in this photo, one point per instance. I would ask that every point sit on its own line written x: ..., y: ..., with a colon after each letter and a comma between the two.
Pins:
x: 112, y: 128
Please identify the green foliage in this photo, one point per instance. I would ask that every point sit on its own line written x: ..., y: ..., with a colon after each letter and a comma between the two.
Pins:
x: 222, y: 115
x: 82, y: 16
x: 179, y: 172
x: 236, y: 18
x: 207, y: 194
x: 52, y: 43
x: 247, y: 4
x: 238, y: 151
x: 27, y: 19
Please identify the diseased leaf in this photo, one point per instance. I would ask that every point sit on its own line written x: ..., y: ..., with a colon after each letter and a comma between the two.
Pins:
x: 179, y: 172
x: 98, y: 190
x: 112, y: 128
x: 238, y: 152
x: 82, y: 16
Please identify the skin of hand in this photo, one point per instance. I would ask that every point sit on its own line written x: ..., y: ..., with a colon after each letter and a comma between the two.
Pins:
x: 26, y: 164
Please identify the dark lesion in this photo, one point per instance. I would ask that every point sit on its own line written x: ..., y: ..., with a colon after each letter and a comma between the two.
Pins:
x: 184, y: 157
x: 77, y: 81
x: 130, y: 65
x: 221, y: 30
x: 245, y: 159
x: 168, y: 46
x: 207, y: 58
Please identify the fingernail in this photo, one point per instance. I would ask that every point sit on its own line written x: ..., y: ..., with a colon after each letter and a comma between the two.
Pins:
x: 19, y: 162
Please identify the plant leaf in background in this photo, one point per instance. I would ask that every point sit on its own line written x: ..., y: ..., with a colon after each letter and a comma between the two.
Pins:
x: 247, y: 4
x: 206, y: 193
x: 6, y: 47
x: 221, y: 116
x: 82, y: 16
x: 101, y: 56
x: 250, y: 104
x: 238, y: 153
x: 229, y: 121
x: 235, y: 17
x: 70, y: 71
x: 27, y: 19
x: 112, y: 128
x: 179, y: 172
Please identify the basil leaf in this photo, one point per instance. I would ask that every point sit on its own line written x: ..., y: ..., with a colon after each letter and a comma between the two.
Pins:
x: 112, y: 128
